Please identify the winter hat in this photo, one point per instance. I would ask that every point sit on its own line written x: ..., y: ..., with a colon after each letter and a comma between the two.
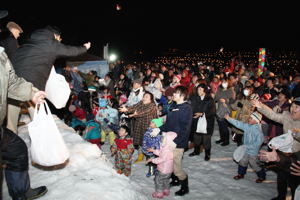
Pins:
x: 92, y: 88
x: 72, y: 108
x: 158, y: 122
x: 123, y: 98
x: 102, y: 103
x: 178, y: 76
x: 11, y: 25
x: 297, y: 101
x: 256, y: 116
x: 139, y: 81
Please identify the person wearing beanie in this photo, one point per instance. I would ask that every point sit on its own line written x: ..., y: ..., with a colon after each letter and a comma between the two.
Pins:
x: 253, y: 139
x: 290, y: 121
x: 152, y: 139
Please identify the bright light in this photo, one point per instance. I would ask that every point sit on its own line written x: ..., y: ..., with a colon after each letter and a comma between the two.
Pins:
x: 112, y: 57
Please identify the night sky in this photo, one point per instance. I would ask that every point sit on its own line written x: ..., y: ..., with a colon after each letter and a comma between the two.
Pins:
x: 154, y: 26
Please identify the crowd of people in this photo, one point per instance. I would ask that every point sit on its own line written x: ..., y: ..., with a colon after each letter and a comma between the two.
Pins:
x: 159, y: 109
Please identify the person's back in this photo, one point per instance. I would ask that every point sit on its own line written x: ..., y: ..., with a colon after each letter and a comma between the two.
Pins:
x: 34, y: 59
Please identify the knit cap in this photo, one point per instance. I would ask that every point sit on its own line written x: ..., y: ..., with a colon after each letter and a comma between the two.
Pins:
x: 158, y: 122
x: 256, y: 116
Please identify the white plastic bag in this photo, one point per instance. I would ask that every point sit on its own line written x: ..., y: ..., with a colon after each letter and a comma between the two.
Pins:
x: 47, y: 145
x: 239, y: 153
x: 57, y: 89
x: 202, y: 124
x: 283, y: 142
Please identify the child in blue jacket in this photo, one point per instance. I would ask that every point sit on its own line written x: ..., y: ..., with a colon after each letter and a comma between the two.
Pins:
x: 253, y: 139
x: 152, y: 140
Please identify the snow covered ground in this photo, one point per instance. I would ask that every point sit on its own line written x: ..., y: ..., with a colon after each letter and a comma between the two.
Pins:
x: 90, y: 176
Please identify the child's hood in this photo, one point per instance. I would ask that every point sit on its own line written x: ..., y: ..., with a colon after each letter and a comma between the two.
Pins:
x: 168, y: 138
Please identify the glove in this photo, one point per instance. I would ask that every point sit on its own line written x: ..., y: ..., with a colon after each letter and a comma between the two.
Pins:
x: 155, y: 132
x: 106, y: 120
x: 240, y: 105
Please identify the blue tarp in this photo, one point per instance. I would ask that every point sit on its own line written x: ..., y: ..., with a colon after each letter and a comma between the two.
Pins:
x: 101, y: 67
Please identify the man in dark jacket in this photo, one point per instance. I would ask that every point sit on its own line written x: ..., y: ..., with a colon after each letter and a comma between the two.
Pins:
x: 179, y: 120
x: 9, y: 38
x: 33, y: 62
x: 14, y: 154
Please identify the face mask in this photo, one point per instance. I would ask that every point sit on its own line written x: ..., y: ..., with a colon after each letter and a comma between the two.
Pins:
x: 246, y: 92
x: 225, y: 85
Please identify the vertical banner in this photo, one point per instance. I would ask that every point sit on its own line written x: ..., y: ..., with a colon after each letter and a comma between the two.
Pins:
x: 261, y: 60
x: 105, y: 52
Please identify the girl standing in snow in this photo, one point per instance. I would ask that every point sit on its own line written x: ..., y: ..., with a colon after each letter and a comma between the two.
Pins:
x: 123, y: 148
x: 152, y: 139
x: 164, y: 163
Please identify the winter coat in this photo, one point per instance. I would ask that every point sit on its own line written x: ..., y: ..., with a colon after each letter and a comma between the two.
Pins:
x: 165, y: 159
x: 11, y: 85
x: 155, y: 88
x: 10, y: 44
x: 33, y: 61
x: 179, y: 120
x: 207, y: 106
x: 146, y: 112
x: 135, y: 96
x: 107, y: 115
x: 228, y: 95
x: 92, y: 130
x: 14, y: 87
x: 285, y: 119
x: 150, y: 142
x: 244, y: 109
x: 253, y: 136
x: 123, y: 148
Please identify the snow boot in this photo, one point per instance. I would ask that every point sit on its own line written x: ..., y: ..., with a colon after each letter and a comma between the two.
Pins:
x: 174, y: 180
x: 166, y: 192
x: 184, y: 188
x: 196, y: 151
x: 36, y: 193
x: 261, y: 176
x: 207, y: 155
x: 140, y: 158
x: 158, y: 195
x: 150, y: 171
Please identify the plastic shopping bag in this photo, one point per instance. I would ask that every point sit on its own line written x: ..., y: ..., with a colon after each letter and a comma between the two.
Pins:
x: 239, y: 153
x: 47, y: 145
x: 282, y: 142
x: 57, y: 89
x: 202, y: 124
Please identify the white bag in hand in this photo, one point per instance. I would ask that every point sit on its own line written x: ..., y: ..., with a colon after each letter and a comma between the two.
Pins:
x: 239, y: 153
x: 282, y: 142
x: 47, y: 145
x: 57, y: 89
x: 202, y: 124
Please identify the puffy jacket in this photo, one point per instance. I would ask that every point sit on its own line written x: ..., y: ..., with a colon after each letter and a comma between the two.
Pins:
x: 165, y: 155
x: 33, y: 61
x: 11, y: 85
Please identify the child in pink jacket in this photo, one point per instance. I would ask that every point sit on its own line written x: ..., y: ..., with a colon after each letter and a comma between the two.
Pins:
x: 164, y: 163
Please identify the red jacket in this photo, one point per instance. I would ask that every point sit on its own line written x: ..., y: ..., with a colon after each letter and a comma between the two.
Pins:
x: 123, y: 143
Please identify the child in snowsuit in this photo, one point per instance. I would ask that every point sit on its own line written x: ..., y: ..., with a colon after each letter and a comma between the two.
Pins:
x: 253, y: 139
x: 92, y: 133
x: 152, y: 139
x: 122, y: 149
x: 109, y: 113
x: 164, y: 163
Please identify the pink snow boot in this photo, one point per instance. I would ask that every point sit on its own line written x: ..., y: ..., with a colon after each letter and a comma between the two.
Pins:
x: 166, y: 192
x: 158, y: 195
